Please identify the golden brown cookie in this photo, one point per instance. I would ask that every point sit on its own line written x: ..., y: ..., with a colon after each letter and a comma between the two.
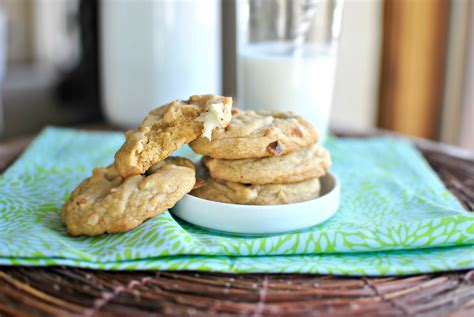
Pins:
x: 257, y: 134
x: 309, y: 162
x: 247, y: 194
x: 169, y: 127
x: 107, y: 202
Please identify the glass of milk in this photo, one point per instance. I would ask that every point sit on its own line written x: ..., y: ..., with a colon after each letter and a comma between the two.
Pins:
x: 287, y: 56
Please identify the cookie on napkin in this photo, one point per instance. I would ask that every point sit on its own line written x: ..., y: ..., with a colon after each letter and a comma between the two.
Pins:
x: 107, y: 203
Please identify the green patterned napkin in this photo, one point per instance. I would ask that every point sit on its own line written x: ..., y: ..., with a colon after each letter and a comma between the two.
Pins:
x: 396, y: 217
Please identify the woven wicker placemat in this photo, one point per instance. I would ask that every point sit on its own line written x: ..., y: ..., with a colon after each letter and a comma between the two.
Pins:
x: 61, y: 291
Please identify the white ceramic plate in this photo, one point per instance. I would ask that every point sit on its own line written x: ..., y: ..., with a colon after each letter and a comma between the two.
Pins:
x: 255, y: 219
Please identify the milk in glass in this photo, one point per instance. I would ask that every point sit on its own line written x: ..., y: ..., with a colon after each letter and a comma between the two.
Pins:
x: 273, y: 78
x: 287, y: 56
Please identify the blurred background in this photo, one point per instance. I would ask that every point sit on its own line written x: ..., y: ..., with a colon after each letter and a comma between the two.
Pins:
x: 402, y: 65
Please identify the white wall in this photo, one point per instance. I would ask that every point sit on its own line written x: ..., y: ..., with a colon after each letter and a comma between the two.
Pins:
x: 357, y: 79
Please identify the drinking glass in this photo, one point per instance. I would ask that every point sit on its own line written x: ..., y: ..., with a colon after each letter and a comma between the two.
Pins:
x: 287, y: 53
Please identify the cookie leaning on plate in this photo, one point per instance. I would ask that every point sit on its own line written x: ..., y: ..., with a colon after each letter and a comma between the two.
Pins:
x: 309, y: 162
x: 169, y: 127
x: 257, y: 134
x: 107, y: 202
x: 247, y: 194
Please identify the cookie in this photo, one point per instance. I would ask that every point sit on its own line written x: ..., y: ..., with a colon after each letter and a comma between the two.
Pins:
x: 309, y: 162
x: 247, y: 194
x: 257, y: 134
x: 169, y: 127
x: 107, y: 202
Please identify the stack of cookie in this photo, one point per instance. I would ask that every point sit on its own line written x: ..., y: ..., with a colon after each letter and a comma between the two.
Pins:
x: 262, y: 158
x: 144, y: 181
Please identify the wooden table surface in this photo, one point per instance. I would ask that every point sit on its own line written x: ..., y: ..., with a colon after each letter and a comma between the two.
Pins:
x: 63, y: 291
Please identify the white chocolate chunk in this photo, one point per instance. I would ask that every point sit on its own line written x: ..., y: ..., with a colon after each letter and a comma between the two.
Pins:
x: 216, y: 116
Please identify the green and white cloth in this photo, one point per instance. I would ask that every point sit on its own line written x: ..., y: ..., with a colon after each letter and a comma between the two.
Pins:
x: 395, y: 217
